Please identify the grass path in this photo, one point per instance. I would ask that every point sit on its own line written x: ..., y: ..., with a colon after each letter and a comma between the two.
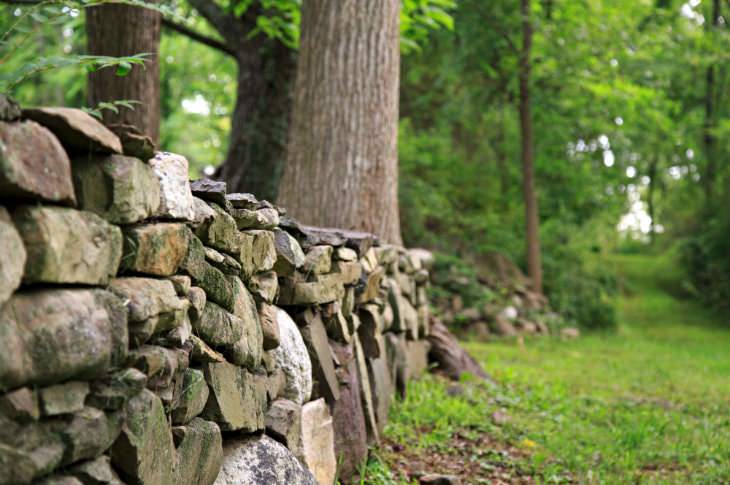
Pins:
x: 648, y: 404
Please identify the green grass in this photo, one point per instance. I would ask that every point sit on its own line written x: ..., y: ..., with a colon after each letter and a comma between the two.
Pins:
x: 648, y: 404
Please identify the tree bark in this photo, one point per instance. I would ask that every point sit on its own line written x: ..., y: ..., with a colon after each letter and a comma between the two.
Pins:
x: 257, y: 142
x: 123, y: 30
x: 342, y: 160
x: 709, y: 138
x: 532, y: 221
x: 653, y: 165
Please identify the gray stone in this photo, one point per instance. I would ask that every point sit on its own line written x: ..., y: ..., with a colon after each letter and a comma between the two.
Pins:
x: 63, y: 398
x: 397, y: 353
x: 67, y: 246
x: 220, y: 232
x: 292, y: 357
x: 284, y: 424
x: 199, y: 452
x: 318, y: 260
x: 371, y: 291
x: 261, y: 460
x: 217, y: 327
x: 265, y: 286
x: 153, y: 305
x: 193, y: 398
x: 120, y: 189
x: 380, y: 384
x: 269, y: 326
x: 366, y: 393
x: 144, y: 453
x: 48, y: 336
x: 202, y: 353
x: 323, y: 369
x: 96, y: 472
x: 417, y: 354
x: 114, y: 390
x: 59, y: 480
x: 30, y: 450
x: 289, y: 255
x: 9, y: 108
x: 215, y: 284
x: 13, y: 260
x: 225, y: 263
x: 370, y: 329
x: 318, y: 441
x: 436, y: 479
x: 20, y: 405
x: 348, y: 420
x: 336, y: 323
x: 161, y: 365
x: 237, y: 398
x: 258, y: 252
x: 325, y: 289
x: 197, y: 298
x: 134, y: 142
x: 345, y: 254
x: 89, y: 433
x: 349, y: 271
x: 210, y: 190
x: 243, y: 201
x: 76, y: 129
x: 156, y: 249
x: 265, y: 218
x: 181, y: 283
x: 176, y: 199
x: 36, y: 170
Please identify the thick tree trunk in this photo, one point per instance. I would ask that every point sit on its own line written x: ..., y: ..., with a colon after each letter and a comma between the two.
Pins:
x: 532, y: 221
x: 342, y: 160
x: 257, y: 146
x: 709, y: 138
x: 123, y: 30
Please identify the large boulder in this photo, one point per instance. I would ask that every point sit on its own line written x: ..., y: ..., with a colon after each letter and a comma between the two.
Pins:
x: 292, y: 357
x: 144, y: 452
x: 176, y: 198
x: 77, y: 130
x: 68, y: 246
x: 48, y: 336
x: 118, y: 188
x: 261, y: 460
x: 13, y: 260
x: 33, y: 165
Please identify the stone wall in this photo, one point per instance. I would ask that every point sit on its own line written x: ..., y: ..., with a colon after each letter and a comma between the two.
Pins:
x: 158, y: 331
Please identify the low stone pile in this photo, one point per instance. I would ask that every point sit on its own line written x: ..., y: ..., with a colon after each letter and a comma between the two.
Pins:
x: 155, y: 331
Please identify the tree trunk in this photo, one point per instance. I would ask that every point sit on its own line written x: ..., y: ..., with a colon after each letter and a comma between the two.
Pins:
x: 257, y: 146
x: 123, y: 30
x: 709, y: 138
x: 500, y: 156
x: 532, y: 221
x: 342, y: 159
x: 650, y: 197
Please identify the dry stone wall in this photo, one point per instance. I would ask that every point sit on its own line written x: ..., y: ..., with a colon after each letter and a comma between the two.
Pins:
x: 157, y: 331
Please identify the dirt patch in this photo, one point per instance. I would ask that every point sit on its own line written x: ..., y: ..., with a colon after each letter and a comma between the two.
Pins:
x: 475, y: 457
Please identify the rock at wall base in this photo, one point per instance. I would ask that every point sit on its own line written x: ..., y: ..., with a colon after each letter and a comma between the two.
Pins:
x: 261, y: 460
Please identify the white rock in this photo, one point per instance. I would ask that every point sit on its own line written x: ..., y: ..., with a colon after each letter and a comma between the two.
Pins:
x: 291, y: 356
x: 261, y: 460
x: 510, y: 313
x: 176, y: 198
x: 318, y: 441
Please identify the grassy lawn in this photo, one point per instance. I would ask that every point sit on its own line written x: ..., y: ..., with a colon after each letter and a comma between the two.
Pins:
x: 648, y: 404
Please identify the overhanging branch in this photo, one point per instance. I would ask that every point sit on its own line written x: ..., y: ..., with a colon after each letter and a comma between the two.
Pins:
x: 197, y: 36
